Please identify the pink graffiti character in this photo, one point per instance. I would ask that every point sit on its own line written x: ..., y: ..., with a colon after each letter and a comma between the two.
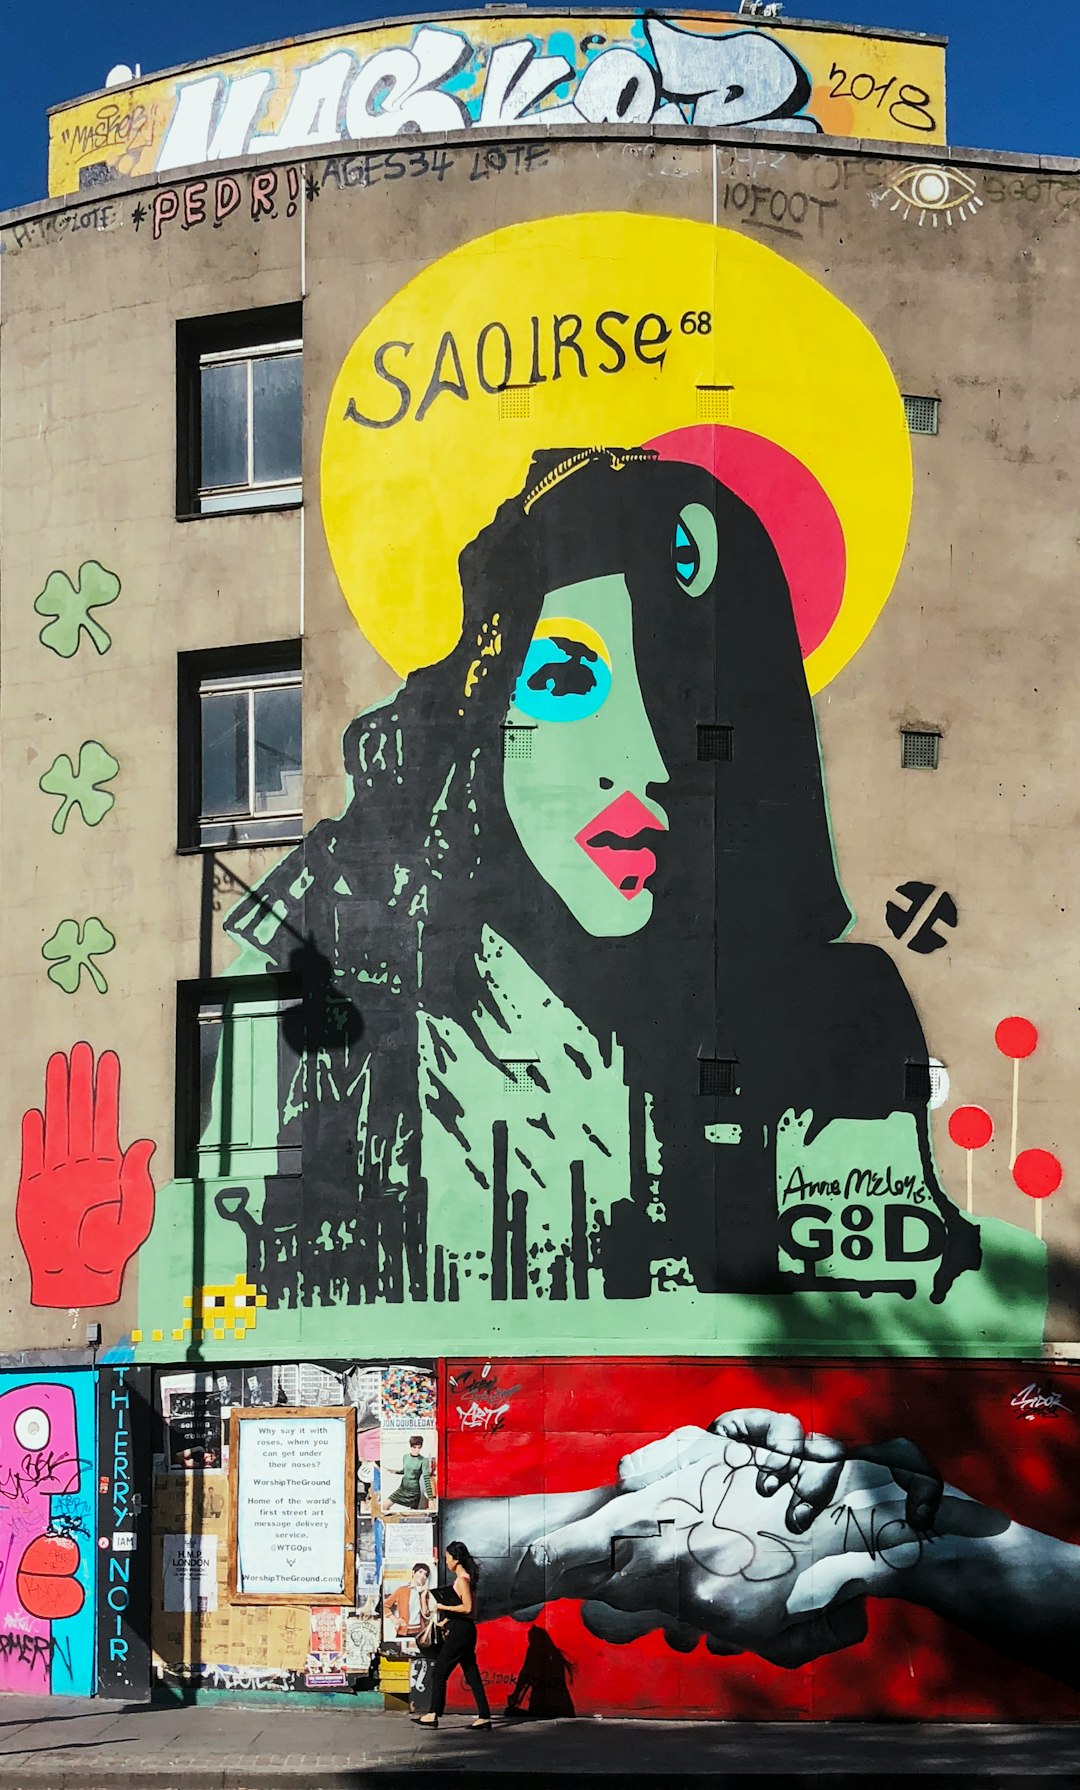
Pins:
x: 84, y: 1205
x: 39, y: 1460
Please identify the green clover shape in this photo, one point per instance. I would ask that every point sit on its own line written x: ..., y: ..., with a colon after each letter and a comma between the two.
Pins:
x: 80, y: 785
x: 71, y: 949
x: 71, y: 606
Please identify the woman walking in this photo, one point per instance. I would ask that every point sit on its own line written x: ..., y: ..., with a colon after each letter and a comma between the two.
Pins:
x: 459, y: 1648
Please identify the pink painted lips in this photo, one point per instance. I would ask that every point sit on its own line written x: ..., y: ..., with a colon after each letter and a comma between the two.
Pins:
x: 616, y: 841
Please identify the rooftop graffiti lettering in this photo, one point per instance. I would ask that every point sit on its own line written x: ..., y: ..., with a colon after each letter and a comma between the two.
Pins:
x: 636, y: 69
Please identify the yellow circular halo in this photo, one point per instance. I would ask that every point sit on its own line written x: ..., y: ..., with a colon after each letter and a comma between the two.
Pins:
x: 605, y: 327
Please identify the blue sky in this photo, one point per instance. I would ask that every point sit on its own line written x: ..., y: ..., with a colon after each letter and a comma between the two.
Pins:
x: 1011, y: 70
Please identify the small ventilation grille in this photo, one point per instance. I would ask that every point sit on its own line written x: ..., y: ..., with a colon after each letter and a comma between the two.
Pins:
x: 517, y: 740
x: 939, y: 1083
x: 919, y: 751
x: 715, y: 744
x: 922, y: 414
x: 716, y: 1075
x: 516, y: 1077
x: 514, y: 402
x: 917, y: 1084
x: 714, y: 403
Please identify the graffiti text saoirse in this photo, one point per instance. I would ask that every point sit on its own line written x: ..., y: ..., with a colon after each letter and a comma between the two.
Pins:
x: 497, y: 360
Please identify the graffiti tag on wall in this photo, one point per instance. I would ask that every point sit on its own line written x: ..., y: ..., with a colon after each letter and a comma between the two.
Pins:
x: 628, y: 68
x: 123, y: 1575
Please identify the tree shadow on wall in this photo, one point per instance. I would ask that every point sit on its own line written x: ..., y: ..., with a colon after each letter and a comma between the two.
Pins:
x: 318, y: 1026
x: 543, y: 1683
x: 326, y: 1019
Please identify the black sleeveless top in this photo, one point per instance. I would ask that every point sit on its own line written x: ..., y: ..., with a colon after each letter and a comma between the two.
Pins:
x: 447, y: 1597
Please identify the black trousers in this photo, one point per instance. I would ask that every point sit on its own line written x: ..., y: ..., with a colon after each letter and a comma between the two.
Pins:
x: 459, y: 1649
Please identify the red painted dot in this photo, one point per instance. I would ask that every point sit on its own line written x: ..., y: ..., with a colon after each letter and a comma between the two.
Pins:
x: 971, y: 1127
x: 1016, y: 1037
x: 1037, y: 1173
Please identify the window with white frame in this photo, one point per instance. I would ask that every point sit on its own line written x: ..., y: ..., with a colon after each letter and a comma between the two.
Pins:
x: 239, y: 405
x: 239, y: 1045
x: 250, y: 402
x: 249, y: 769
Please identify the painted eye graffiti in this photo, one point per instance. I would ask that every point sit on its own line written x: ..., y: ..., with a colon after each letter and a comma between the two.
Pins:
x: 695, y: 549
x: 687, y: 558
x: 934, y: 192
x: 567, y: 672
x: 32, y: 1428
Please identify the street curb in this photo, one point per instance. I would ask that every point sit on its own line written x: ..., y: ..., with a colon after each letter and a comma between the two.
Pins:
x: 308, y: 1776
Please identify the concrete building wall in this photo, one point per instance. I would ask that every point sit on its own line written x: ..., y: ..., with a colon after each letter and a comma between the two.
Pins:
x: 90, y: 457
x: 753, y: 308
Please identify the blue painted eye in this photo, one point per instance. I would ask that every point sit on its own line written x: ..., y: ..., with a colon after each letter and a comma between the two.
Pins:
x: 695, y: 549
x: 687, y: 558
x: 562, y: 679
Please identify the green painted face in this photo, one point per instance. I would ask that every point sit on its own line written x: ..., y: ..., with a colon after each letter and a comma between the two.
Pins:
x: 580, y: 756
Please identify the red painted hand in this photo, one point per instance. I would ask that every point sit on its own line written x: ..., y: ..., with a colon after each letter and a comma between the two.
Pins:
x: 84, y: 1205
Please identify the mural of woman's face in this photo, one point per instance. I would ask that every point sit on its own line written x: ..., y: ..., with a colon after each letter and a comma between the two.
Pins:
x: 582, y: 758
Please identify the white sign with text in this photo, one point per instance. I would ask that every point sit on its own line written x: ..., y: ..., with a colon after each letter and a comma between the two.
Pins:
x: 290, y: 1507
x: 189, y: 1570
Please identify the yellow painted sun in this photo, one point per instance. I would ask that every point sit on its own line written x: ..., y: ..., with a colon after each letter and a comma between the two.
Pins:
x: 599, y: 328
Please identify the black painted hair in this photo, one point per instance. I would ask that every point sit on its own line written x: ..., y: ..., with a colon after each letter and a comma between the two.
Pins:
x: 459, y: 1553
x: 416, y: 1441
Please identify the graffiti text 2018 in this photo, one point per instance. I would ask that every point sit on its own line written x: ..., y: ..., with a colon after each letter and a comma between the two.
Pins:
x: 910, y: 108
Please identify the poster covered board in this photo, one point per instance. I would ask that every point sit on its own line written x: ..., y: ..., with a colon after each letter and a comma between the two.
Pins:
x: 292, y: 1509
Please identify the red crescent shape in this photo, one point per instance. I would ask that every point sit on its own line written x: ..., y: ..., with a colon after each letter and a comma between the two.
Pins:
x: 794, y: 508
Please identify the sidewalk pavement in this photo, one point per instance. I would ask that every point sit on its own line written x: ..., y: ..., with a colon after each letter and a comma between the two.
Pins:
x: 72, y: 1744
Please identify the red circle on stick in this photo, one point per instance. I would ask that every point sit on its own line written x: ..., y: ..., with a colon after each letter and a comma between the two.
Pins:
x: 1037, y: 1173
x: 1016, y: 1037
x: 971, y: 1127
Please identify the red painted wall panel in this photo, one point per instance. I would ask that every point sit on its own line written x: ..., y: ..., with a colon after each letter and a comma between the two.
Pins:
x: 969, y: 1607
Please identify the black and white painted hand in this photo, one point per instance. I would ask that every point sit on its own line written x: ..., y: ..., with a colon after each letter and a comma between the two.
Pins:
x: 766, y: 1538
x: 753, y: 1532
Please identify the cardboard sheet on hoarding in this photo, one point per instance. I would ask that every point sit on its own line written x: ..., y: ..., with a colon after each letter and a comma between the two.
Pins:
x: 293, y: 1505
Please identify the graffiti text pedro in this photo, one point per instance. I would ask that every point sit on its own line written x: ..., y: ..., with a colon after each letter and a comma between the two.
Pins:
x: 500, y: 357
